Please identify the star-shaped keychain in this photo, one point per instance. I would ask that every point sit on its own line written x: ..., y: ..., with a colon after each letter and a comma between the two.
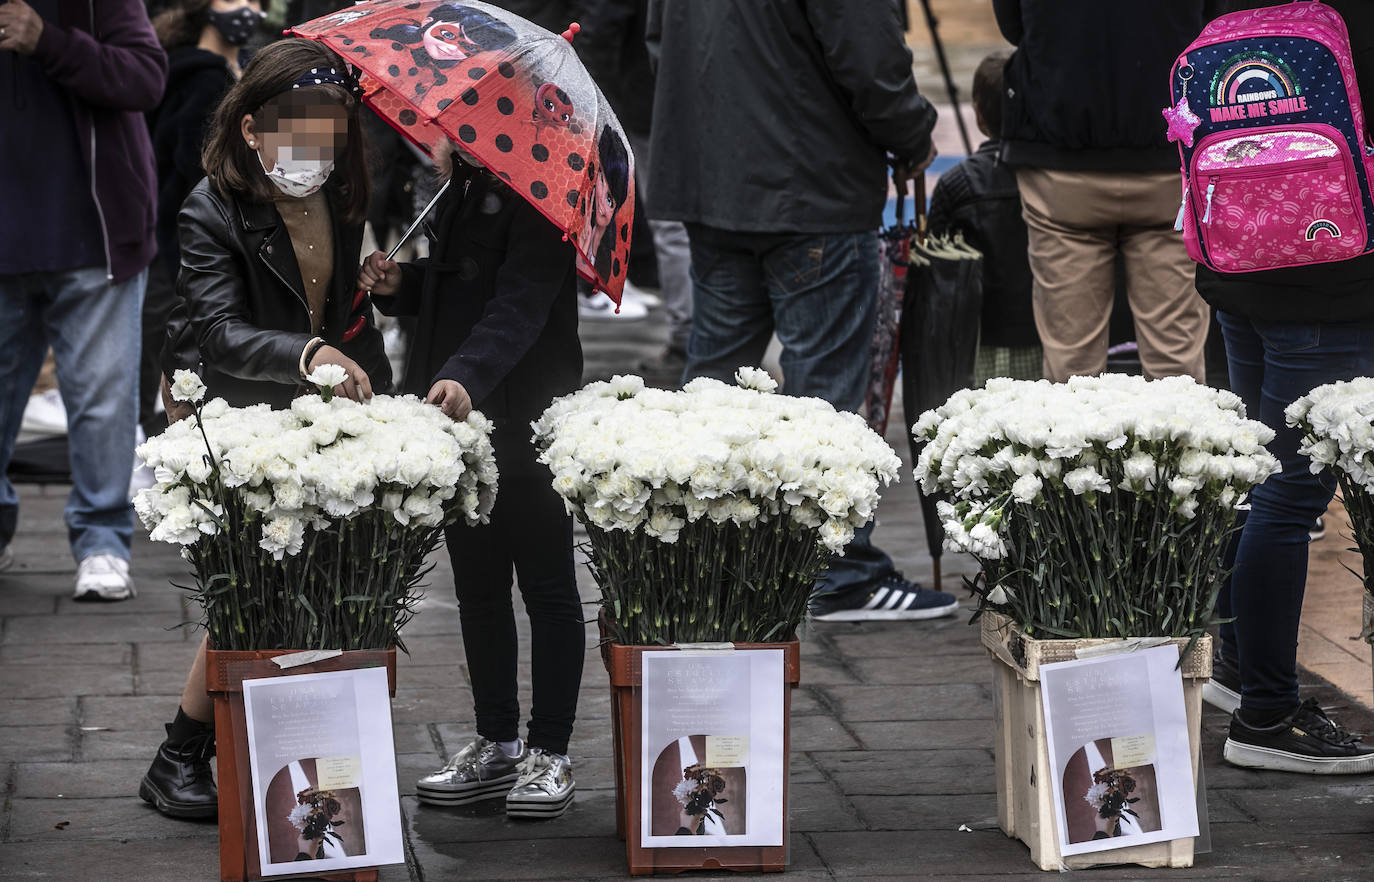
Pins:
x: 1182, y: 121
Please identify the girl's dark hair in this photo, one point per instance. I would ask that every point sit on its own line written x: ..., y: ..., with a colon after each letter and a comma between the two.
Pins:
x: 265, y: 92
x: 180, y: 23
x: 615, y: 165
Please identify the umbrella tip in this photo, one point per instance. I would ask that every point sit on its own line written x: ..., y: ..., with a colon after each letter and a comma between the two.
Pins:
x: 572, y: 31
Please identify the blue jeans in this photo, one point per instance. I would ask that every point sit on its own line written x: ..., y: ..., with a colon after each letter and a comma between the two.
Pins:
x: 1273, y: 364
x: 94, y: 330
x: 817, y: 292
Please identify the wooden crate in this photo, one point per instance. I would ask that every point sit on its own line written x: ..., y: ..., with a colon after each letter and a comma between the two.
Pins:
x: 225, y: 671
x: 624, y: 665
x: 1025, y: 794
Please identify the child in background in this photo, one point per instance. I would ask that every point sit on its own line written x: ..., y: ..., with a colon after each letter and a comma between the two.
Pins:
x: 978, y: 198
x: 497, y: 330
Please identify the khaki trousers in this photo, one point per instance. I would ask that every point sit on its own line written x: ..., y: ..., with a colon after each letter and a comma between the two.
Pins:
x: 1078, y: 223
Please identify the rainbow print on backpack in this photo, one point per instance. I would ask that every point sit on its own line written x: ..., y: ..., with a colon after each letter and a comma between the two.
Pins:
x: 1276, y: 155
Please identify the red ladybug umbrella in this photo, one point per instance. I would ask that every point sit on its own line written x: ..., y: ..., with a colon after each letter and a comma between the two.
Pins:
x: 513, y: 95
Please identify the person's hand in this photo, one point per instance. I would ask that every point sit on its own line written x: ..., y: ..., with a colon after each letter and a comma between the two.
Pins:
x: 379, y: 275
x: 176, y: 410
x: 691, y: 823
x: 20, y: 27
x: 904, y: 171
x: 450, y: 397
x: 357, y: 386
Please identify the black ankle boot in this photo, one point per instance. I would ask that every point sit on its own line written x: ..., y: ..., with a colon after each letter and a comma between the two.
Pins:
x: 179, y: 783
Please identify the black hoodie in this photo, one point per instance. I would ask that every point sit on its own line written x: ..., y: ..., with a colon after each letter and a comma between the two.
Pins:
x: 196, y: 81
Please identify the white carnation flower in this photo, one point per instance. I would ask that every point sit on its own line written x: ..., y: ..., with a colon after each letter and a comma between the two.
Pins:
x: 187, y: 386
x: 327, y: 375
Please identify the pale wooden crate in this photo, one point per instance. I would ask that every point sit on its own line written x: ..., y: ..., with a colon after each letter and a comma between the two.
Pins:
x: 1025, y: 794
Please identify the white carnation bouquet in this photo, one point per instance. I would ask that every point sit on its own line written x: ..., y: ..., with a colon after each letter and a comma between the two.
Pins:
x: 711, y: 510
x: 308, y: 528
x: 1100, y: 507
x: 1337, y: 426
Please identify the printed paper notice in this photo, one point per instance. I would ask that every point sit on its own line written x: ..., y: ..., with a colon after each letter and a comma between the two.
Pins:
x: 1119, y: 755
x: 324, y: 772
x: 712, y: 766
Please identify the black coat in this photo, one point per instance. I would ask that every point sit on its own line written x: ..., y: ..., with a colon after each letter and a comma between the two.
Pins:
x: 777, y: 116
x: 979, y: 198
x: 1084, y: 89
x: 611, y: 45
x: 1324, y: 292
x: 196, y: 81
x: 241, y: 318
x: 496, y: 302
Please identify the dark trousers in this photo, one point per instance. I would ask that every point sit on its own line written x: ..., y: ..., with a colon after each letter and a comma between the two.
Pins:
x: 817, y: 292
x: 1273, y: 364
x: 530, y: 534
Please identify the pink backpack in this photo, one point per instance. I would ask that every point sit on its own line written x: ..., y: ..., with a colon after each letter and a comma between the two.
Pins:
x: 1276, y: 157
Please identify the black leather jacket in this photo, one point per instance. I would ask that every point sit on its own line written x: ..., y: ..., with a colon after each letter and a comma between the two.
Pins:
x: 241, y: 319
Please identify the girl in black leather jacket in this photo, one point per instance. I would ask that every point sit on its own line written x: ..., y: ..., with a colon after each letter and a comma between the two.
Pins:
x: 269, y: 249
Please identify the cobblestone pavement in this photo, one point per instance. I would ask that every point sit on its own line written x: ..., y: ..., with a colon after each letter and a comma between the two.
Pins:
x: 892, y: 741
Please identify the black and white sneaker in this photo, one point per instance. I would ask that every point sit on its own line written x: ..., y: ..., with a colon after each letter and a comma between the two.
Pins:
x: 890, y: 599
x: 1304, y: 741
x: 1223, y: 690
x: 482, y: 770
x: 545, y: 789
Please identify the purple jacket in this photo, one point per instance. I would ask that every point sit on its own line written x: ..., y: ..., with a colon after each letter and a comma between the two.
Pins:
x: 108, y: 59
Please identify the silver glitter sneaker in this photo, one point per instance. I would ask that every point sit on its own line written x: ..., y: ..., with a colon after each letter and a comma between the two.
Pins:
x: 482, y: 770
x: 545, y: 788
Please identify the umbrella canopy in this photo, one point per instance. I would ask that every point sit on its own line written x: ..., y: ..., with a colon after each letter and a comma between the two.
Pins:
x: 511, y: 94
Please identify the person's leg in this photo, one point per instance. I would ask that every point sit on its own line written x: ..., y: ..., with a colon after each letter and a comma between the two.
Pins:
x: 733, y: 321
x: 22, y: 346
x: 675, y: 279
x: 94, y: 327
x: 547, y: 578
x: 179, y: 783
x: 1072, y: 247
x: 1171, y: 320
x: 482, y: 581
x: 1271, y: 556
x: 1245, y: 360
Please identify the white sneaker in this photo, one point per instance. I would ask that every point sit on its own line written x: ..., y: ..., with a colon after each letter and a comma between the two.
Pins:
x: 649, y: 298
x: 6, y: 558
x: 600, y: 308
x: 44, y: 417
x: 103, y: 577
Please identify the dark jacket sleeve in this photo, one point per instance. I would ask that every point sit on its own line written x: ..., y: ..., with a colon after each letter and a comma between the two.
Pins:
x: 861, y: 41
x: 605, y: 29
x: 124, y: 69
x: 533, y: 274
x: 1008, y: 13
x: 212, y: 286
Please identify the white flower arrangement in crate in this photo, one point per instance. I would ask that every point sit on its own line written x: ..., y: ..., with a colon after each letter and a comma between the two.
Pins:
x: 1337, y: 426
x: 1100, y: 507
x: 710, y: 511
x: 308, y: 528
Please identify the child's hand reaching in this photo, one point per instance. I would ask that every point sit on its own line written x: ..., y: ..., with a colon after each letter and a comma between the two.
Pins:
x: 450, y: 397
x: 380, y: 276
x: 357, y: 387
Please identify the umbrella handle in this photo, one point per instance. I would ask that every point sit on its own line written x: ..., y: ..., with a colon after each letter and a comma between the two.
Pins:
x: 920, y: 206
x: 901, y: 208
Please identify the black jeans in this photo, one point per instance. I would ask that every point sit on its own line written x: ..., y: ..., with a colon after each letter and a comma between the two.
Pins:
x: 530, y: 533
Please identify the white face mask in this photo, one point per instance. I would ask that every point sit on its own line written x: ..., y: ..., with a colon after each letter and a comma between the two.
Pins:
x: 297, y: 177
